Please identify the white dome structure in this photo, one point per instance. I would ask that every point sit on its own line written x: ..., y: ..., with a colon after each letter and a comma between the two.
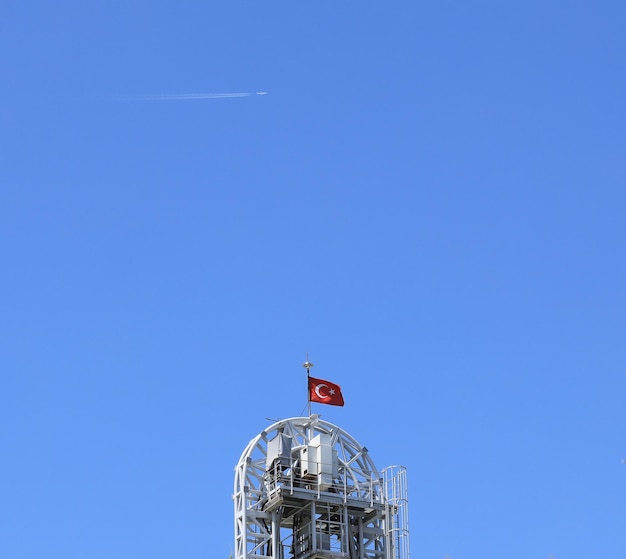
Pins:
x: 306, y: 489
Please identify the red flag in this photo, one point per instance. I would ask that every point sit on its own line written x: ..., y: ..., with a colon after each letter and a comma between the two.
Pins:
x: 324, y: 392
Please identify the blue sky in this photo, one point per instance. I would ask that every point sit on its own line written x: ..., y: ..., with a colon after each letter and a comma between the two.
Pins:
x: 429, y: 199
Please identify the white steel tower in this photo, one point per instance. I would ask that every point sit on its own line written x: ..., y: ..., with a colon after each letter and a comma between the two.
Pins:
x: 305, y: 489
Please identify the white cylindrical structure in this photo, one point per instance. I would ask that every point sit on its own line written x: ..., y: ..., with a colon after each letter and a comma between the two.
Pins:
x: 306, y: 489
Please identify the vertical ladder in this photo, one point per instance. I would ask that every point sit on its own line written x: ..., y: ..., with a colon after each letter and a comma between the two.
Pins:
x: 397, y: 515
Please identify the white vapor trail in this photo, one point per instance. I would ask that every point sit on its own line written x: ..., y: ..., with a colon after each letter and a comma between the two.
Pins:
x: 187, y: 96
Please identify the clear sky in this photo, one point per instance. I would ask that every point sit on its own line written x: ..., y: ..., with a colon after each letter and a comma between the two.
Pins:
x: 430, y: 200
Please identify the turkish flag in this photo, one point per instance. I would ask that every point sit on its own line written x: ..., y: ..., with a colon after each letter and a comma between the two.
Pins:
x: 324, y: 392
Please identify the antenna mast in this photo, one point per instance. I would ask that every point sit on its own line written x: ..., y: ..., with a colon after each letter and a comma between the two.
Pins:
x: 307, y: 365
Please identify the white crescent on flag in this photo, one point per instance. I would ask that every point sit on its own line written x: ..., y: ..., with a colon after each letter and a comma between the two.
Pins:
x: 317, y: 390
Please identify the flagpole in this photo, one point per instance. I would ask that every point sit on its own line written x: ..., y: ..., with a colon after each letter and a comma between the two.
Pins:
x: 307, y: 365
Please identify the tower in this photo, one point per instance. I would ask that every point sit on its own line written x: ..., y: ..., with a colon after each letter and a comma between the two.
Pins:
x: 306, y: 489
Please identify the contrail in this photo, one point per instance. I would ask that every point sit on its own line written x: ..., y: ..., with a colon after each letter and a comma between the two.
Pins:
x: 185, y: 96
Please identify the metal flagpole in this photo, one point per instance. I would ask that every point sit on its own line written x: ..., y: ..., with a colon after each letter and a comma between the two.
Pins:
x: 307, y: 365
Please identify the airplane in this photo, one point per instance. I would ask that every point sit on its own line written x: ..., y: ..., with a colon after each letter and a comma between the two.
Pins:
x: 261, y: 92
